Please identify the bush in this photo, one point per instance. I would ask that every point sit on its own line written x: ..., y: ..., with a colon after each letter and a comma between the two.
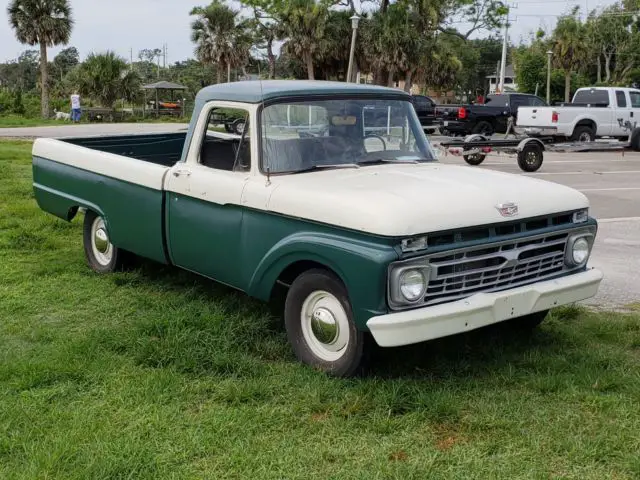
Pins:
x: 18, y: 106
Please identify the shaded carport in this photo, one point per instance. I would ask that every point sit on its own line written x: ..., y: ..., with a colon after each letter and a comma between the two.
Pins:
x: 166, y: 86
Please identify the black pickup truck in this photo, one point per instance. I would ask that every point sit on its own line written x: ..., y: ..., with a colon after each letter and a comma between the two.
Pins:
x: 486, y: 118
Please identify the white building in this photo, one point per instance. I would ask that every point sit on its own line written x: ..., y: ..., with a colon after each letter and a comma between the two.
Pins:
x: 510, y: 84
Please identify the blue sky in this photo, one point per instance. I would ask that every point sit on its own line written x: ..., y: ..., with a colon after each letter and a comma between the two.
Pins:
x: 122, y: 25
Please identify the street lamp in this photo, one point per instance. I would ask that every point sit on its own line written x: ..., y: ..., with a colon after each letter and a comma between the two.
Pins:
x: 354, y: 25
x: 549, y: 55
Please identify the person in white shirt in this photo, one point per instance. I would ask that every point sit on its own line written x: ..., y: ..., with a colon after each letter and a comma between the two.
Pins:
x: 76, y: 112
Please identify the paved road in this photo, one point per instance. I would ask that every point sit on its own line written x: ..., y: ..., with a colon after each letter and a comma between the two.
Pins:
x: 611, y: 181
x: 84, y: 130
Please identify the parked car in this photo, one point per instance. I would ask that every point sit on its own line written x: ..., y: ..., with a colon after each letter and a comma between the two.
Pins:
x: 593, y: 112
x: 367, y: 237
x: 484, y: 118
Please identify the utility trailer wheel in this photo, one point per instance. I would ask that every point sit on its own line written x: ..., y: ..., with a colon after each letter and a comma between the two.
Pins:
x: 474, y: 158
x: 530, y: 157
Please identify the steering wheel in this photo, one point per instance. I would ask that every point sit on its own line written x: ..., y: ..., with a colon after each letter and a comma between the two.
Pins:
x: 373, y: 135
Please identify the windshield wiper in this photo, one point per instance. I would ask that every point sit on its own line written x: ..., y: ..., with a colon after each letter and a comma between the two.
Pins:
x: 326, y: 167
x: 390, y: 160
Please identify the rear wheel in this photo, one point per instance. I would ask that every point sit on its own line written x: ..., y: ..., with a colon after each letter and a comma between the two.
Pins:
x: 483, y: 128
x: 102, y: 256
x: 530, y: 157
x: 320, y: 326
x: 583, y: 134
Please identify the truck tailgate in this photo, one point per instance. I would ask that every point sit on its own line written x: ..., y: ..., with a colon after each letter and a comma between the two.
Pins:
x: 535, y: 117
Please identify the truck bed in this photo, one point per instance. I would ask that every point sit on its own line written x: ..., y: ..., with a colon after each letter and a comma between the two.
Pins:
x: 162, y: 149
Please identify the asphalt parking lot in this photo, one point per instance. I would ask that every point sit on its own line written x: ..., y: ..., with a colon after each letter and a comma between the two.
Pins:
x: 611, y: 181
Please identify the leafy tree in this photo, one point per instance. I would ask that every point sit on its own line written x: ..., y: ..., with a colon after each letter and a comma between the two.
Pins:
x: 106, y: 77
x: 570, y: 47
x: 43, y: 22
x: 21, y: 73
x: 220, y: 37
x: 478, y: 15
x: 304, y: 24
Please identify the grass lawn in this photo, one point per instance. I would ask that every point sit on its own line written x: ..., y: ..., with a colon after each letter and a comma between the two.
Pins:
x: 16, y: 121
x: 156, y: 373
x: 11, y: 121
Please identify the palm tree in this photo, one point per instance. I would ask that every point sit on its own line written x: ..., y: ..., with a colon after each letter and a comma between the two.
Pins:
x: 220, y: 37
x: 106, y: 77
x: 303, y: 24
x: 43, y: 22
x: 570, y: 47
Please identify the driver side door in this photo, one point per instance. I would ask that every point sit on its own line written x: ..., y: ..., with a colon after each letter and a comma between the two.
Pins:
x: 203, y: 200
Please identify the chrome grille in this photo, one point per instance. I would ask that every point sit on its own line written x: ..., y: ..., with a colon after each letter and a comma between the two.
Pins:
x: 458, y: 274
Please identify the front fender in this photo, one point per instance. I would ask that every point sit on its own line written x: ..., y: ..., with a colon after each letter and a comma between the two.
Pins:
x: 360, y: 264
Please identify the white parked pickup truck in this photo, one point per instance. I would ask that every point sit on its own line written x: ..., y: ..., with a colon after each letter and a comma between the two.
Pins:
x: 593, y: 113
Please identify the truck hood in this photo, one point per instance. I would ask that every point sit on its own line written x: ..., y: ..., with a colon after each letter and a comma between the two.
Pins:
x: 411, y: 199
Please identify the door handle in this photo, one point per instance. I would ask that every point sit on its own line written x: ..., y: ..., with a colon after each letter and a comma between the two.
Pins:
x: 182, y: 171
x: 631, y: 114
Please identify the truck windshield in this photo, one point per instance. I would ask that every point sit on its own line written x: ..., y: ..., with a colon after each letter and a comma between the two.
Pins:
x: 310, y: 135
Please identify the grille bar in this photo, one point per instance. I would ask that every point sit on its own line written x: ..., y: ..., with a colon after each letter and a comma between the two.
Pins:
x: 485, y: 268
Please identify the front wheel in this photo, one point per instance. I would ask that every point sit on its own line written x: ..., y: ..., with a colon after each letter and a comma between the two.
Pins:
x: 102, y: 256
x: 320, y: 326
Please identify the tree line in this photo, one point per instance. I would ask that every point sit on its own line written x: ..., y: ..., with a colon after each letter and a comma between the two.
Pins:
x: 410, y: 41
x: 604, y: 49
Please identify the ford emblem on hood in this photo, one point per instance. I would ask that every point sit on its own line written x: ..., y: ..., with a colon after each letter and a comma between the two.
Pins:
x: 507, y: 209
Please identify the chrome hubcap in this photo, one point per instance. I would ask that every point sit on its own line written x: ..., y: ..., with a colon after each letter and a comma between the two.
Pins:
x: 101, y: 240
x: 325, y: 325
x: 100, y: 244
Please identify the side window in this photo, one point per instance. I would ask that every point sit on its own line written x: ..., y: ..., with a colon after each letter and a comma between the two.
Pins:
x: 621, y: 99
x: 537, y: 102
x: 421, y: 103
x: 635, y: 98
x: 226, y: 143
x: 517, y: 101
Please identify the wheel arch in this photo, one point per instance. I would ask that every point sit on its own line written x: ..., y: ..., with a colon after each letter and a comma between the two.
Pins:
x: 361, y: 266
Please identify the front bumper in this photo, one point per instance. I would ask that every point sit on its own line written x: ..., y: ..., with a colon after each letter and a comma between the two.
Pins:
x: 479, y: 310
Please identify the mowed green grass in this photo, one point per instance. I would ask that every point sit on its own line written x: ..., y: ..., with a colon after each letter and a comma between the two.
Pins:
x: 156, y: 373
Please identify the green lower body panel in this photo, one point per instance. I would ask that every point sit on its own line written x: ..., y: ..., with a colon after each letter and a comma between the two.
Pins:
x: 133, y: 213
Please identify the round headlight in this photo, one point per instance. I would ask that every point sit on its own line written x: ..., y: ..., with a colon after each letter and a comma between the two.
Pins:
x: 412, y: 284
x: 580, y: 251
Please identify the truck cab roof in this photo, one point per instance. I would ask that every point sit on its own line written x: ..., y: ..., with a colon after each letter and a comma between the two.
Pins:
x: 256, y: 91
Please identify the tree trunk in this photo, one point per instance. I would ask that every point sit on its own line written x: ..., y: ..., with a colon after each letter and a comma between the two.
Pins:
x: 309, y: 62
x: 228, y: 72
x: 44, y: 80
x: 607, y: 67
x: 385, y: 5
x: 219, y: 73
x: 599, y: 74
x: 272, y: 59
x: 407, y: 81
x: 567, y: 86
x: 390, y: 79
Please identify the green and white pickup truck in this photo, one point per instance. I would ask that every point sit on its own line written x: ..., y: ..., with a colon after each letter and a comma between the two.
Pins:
x: 333, y: 195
